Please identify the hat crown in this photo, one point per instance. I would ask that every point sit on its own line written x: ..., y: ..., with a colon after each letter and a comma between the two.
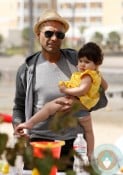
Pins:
x: 50, y: 15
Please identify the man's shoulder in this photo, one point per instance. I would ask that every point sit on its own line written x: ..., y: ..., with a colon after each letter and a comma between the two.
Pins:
x: 28, y: 61
x: 70, y: 54
x: 32, y: 57
x: 69, y: 51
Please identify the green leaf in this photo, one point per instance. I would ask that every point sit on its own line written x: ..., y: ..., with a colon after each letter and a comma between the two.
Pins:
x: 70, y: 172
x: 90, y: 170
x: 45, y: 164
x: 64, y: 120
x: 20, y: 145
x: 10, y: 156
x: 28, y: 157
x: 3, y: 142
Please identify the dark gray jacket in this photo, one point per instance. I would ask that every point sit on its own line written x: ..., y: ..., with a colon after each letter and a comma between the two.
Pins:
x: 24, y: 90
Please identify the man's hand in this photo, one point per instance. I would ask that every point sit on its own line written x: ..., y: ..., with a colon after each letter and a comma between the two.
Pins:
x: 65, y: 102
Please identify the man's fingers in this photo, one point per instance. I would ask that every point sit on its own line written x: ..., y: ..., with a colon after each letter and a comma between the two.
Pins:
x: 65, y: 102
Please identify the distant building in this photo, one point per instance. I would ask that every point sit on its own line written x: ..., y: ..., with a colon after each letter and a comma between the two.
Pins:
x: 82, y: 13
x: 24, y: 11
x: 15, y: 14
x: 8, y: 16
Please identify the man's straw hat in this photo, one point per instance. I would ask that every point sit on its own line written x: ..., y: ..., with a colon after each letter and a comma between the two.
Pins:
x: 50, y: 15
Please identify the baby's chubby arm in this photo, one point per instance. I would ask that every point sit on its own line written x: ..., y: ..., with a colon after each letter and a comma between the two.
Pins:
x: 80, y: 90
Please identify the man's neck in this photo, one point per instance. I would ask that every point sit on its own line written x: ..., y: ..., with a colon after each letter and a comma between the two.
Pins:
x: 52, y: 57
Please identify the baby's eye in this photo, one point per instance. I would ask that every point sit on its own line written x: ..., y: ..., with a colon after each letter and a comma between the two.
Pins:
x: 87, y: 62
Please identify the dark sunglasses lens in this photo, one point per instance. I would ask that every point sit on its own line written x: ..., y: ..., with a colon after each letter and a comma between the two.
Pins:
x: 60, y: 35
x: 48, y: 34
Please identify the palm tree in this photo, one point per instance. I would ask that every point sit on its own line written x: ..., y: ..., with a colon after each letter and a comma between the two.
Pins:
x: 97, y: 38
x: 1, y: 40
x: 25, y: 36
x: 113, y: 40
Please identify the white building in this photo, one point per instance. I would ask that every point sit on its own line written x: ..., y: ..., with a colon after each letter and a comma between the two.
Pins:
x: 81, y: 12
x: 15, y: 14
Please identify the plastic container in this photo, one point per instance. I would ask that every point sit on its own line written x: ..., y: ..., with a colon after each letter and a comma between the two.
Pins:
x: 80, y: 146
x: 55, y: 147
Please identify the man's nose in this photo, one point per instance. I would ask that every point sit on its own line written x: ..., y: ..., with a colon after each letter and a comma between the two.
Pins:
x: 54, y: 37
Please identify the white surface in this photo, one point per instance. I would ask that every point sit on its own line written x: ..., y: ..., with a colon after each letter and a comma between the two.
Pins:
x: 119, y: 143
x: 62, y: 173
x: 25, y: 172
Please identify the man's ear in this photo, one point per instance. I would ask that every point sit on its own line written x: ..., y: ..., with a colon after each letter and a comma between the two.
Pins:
x: 38, y: 35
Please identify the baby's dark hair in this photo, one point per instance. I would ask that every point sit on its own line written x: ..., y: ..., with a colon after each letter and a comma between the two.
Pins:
x: 92, y: 51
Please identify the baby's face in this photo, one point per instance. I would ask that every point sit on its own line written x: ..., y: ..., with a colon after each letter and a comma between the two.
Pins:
x: 84, y: 63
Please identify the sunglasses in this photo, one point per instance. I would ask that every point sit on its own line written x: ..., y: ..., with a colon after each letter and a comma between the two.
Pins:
x: 49, y: 34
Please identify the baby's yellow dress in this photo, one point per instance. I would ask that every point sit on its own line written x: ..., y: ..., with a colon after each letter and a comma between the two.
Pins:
x: 92, y: 97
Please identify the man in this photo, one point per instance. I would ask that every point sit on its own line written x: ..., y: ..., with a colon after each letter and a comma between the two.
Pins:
x: 37, y: 80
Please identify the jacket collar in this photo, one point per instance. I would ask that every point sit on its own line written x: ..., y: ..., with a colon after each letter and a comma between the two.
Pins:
x: 32, y: 59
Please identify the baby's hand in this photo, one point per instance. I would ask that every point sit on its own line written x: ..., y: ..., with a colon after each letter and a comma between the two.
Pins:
x: 20, y: 130
x: 62, y: 89
x: 61, y: 83
x: 62, y: 86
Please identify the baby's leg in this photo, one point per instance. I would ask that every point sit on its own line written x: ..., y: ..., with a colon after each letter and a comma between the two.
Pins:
x: 86, y: 123
x: 48, y: 109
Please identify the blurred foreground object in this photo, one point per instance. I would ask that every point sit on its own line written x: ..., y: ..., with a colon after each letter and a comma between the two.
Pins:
x: 5, y: 117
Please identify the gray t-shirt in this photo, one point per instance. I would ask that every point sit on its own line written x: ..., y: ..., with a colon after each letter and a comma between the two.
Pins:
x: 46, y: 89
